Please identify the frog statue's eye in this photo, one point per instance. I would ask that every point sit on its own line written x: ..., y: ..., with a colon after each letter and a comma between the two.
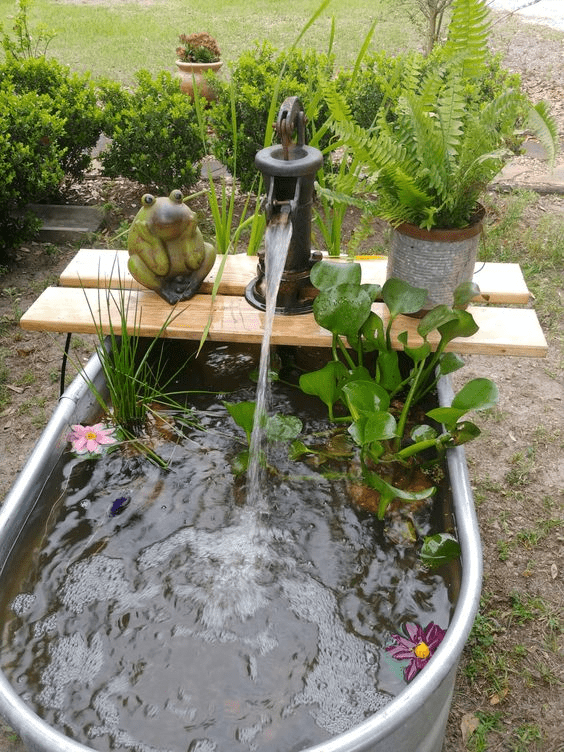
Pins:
x: 176, y: 196
x: 148, y: 199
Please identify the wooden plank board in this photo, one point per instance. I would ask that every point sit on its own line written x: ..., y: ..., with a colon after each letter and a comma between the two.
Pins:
x: 92, y: 267
x: 95, y: 267
x: 503, y: 331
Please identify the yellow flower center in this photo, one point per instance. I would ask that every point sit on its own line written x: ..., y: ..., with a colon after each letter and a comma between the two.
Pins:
x: 90, y: 435
x: 422, y: 650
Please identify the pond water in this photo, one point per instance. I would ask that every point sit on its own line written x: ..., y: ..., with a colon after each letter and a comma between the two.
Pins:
x: 152, y: 609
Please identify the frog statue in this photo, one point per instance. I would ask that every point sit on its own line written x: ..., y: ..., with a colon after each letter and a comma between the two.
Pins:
x: 167, y: 252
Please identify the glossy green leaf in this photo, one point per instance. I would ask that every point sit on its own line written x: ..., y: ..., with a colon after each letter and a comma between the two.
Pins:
x: 463, y: 325
x: 378, y: 426
x: 438, y: 316
x: 243, y: 413
x: 388, y: 492
x: 439, y: 549
x: 240, y: 462
x: 388, y: 372
x: 360, y: 373
x: 450, y: 362
x: 415, y: 353
x: 327, y: 274
x: 465, y: 431
x: 342, y: 309
x: 478, y: 394
x: 298, y: 449
x: 325, y: 383
x: 423, y: 432
x: 373, y: 332
x: 374, y: 291
x: 401, y: 297
x: 364, y: 397
x: 448, y: 416
x: 464, y: 293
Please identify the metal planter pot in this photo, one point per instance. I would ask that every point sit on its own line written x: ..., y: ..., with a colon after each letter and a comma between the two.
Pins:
x: 437, y: 260
x: 414, y: 721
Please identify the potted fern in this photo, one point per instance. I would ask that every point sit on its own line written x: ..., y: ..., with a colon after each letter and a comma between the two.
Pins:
x: 198, y: 55
x: 434, y: 150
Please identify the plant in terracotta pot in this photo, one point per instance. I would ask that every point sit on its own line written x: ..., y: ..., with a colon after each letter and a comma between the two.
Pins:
x: 198, y: 55
x: 433, y: 151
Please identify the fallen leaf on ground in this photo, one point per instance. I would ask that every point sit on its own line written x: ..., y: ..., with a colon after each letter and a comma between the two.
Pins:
x: 468, y: 725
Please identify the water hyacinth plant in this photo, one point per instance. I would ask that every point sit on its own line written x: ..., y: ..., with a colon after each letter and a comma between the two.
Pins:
x: 376, y: 391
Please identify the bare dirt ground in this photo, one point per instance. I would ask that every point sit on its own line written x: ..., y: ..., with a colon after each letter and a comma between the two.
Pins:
x: 509, y: 693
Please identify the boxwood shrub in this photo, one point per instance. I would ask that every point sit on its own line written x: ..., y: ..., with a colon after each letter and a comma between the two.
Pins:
x: 155, y: 138
x: 72, y: 97
x: 30, y: 160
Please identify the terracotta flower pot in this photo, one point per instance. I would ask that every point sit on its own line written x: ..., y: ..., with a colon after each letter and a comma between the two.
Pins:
x: 438, y: 260
x: 195, y: 73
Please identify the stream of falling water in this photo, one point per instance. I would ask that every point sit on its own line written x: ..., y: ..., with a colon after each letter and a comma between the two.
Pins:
x: 277, y: 242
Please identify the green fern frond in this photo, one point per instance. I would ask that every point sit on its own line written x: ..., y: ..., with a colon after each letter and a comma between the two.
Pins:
x: 451, y: 114
x: 468, y: 36
x: 338, y: 106
x: 408, y: 193
x: 428, y: 144
x: 432, y: 150
x: 374, y: 152
x: 543, y: 125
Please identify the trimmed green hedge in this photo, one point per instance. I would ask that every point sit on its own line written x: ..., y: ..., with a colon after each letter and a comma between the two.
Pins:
x: 70, y: 96
x: 154, y: 130
x: 30, y: 160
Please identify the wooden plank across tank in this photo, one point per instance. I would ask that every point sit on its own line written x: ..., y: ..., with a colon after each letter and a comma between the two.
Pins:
x: 92, y: 267
x: 85, y: 302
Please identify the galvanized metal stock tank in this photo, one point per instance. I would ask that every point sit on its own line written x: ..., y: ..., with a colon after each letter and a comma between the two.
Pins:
x: 414, y: 721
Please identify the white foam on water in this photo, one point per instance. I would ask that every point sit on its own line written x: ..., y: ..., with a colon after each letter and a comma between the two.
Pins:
x: 221, y: 573
x: 98, y: 578
x: 23, y: 603
x: 221, y: 576
x: 340, y: 688
x: 73, y: 659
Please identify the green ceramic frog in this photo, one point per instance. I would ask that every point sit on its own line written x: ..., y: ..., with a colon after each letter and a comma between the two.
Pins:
x: 167, y: 252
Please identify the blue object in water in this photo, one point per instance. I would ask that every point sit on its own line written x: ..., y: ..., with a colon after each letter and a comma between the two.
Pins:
x: 119, y: 505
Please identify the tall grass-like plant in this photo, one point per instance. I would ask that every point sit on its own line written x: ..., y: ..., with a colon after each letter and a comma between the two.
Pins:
x: 329, y: 213
x: 133, y: 369
x: 222, y: 204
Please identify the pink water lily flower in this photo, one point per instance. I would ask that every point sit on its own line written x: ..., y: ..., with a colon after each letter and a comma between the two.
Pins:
x: 91, y: 439
x: 417, y: 646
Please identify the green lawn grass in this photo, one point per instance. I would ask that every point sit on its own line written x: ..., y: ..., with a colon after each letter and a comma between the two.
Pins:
x: 114, y: 38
